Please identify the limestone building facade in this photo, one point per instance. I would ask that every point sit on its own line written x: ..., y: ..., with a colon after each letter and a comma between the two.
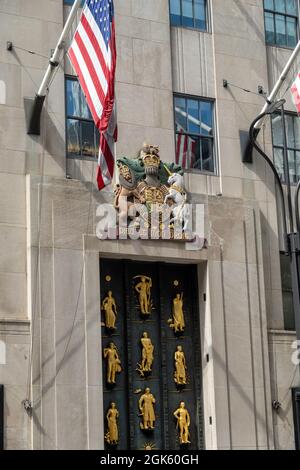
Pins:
x: 172, y: 60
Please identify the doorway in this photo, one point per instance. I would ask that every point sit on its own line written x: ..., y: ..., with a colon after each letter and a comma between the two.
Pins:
x: 151, y: 356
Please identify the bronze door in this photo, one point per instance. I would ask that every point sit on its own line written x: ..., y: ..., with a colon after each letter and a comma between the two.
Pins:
x: 156, y: 343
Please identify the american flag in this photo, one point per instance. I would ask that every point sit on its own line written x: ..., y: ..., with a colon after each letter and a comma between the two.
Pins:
x: 296, y: 93
x: 93, y: 57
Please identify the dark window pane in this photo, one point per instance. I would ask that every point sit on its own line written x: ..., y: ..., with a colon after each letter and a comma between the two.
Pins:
x: 175, y: 12
x: 286, y: 274
x: 87, y: 139
x: 200, y: 14
x: 280, y: 30
x: 73, y: 98
x: 278, y: 160
x: 187, y: 13
x: 73, y: 137
x: 206, y: 117
x: 287, y: 296
x: 280, y: 6
x: 193, y: 116
x: 269, y: 25
x: 277, y: 130
x: 292, y: 166
x: 298, y: 165
x: 195, y: 160
x: 288, y: 311
x: 290, y: 131
x: 180, y: 114
x: 85, y: 111
x: 297, y: 132
x: 291, y: 26
x: 291, y: 7
x: 207, y: 155
x: 269, y: 4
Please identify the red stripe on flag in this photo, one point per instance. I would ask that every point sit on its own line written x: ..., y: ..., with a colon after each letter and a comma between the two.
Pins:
x: 109, y: 158
x: 91, y: 68
x: 95, y: 44
x: 100, y: 181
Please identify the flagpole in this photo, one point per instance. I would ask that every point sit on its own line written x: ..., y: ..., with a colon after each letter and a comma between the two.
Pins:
x: 278, y: 84
x: 37, y: 106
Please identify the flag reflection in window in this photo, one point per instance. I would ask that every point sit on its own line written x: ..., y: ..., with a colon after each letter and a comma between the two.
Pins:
x: 194, y: 134
x: 82, y: 135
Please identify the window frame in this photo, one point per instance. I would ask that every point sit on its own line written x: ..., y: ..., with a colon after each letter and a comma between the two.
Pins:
x: 193, y: 28
x: 293, y: 115
x: 80, y: 119
x: 213, y: 138
x: 285, y: 15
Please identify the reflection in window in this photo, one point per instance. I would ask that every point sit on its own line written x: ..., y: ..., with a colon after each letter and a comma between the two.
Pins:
x: 293, y: 143
x: 82, y: 135
x: 281, y: 22
x: 189, y: 13
x: 194, y: 134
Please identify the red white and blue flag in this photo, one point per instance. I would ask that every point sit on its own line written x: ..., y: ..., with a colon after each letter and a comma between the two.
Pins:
x: 93, y: 57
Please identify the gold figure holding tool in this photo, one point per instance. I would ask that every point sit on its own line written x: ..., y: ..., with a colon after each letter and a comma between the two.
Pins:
x: 146, y: 407
x: 147, y: 355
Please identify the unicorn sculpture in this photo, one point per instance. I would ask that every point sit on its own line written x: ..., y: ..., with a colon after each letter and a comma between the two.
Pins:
x: 180, y: 211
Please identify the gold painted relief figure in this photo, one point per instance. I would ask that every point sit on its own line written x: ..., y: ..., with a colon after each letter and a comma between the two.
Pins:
x: 147, y: 355
x: 110, y: 308
x: 183, y: 423
x: 146, y: 407
x: 180, y: 367
x: 113, y: 363
x: 177, y: 323
x: 112, y: 435
x: 143, y: 288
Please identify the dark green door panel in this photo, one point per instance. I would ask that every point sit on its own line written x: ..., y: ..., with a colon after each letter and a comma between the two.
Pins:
x: 167, y: 281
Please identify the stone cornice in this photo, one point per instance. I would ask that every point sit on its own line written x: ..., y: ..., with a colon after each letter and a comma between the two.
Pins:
x: 14, y: 326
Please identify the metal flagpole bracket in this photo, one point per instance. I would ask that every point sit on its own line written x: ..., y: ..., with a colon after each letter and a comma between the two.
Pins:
x: 225, y: 83
x: 33, y: 108
x: 33, y: 112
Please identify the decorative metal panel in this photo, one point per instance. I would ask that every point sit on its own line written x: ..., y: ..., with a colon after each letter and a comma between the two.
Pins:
x: 151, y: 336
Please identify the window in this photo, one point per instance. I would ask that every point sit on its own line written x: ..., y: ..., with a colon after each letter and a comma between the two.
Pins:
x: 293, y: 142
x: 189, y: 13
x: 281, y: 22
x: 82, y: 135
x: 194, y: 124
x: 287, y: 293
